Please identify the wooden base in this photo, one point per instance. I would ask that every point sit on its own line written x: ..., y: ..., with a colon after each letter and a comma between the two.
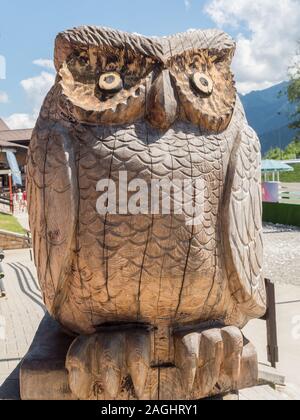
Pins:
x: 57, y: 367
x: 43, y: 375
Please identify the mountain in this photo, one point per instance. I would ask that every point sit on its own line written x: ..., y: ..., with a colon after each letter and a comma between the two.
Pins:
x: 268, y: 112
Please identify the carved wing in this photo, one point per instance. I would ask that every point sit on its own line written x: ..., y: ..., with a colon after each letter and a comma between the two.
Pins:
x: 243, y: 230
x: 52, y: 198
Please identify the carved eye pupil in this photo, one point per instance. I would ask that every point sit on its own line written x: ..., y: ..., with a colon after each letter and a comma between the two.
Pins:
x: 111, y: 82
x: 110, y: 79
x: 204, y: 81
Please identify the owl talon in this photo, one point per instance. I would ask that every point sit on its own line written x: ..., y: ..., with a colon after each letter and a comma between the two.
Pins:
x: 210, y: 360
x: 233, y: 348
x: 186, y: 359
x: 138, y: 360
x: 214, y: 361
x: 108, y: 362
x: 99, y: 366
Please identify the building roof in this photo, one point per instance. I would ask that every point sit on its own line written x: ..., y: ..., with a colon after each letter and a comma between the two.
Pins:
x: 16, y: 135
x: 13, y: 137
x: 275, y: 166
x: 292, y: 161
x: 5, y: 144
x: 3, y: 126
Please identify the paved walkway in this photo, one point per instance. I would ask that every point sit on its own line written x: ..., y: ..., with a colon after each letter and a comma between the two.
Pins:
x: 282, y: 254
x: 288, y: 317
x: 20, y: 314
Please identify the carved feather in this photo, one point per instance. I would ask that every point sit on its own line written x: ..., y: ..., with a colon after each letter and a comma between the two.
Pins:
x: 52, y: 205
x: 243, y: 225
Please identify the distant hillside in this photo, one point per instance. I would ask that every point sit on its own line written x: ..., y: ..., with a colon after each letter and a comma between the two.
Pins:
x: 268, y: 113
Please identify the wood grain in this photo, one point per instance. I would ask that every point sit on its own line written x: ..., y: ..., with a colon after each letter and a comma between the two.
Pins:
x: 151, y: 271
x: 210, y: 363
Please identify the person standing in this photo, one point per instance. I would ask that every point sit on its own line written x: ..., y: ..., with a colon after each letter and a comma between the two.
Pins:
x: 19, y: 198
x: 24, y: 201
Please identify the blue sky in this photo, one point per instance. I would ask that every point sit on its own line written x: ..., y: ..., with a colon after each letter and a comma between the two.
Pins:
x: 28, y: 29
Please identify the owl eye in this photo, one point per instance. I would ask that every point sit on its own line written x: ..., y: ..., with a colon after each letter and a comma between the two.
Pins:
x: 111, y: 82
x: 202, y: 83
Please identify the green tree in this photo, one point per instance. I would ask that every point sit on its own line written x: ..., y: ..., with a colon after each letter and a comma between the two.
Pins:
x: 292, y: 151
x: 293, y: 92
x: 274, y: 154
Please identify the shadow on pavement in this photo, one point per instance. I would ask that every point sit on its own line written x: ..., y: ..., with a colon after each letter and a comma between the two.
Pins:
x: 10, y: 389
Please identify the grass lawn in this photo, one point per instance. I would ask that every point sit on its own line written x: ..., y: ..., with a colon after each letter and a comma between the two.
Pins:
x: 291, y: 176
x: 10, y: 224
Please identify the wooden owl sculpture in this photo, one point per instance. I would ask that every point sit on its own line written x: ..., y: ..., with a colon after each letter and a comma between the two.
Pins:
x: 156, y: 298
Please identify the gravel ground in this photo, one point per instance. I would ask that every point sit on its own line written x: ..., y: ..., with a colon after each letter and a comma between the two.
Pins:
x: 282, y: 254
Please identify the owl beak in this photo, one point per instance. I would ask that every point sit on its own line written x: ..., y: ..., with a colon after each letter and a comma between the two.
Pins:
x: 162, y: 104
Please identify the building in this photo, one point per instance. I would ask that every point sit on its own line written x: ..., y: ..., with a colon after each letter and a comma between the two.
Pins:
x: 21, y: 137
x: 13, y: 152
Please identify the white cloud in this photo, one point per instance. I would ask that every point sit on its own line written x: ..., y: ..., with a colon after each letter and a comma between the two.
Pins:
x: 16, y: 121
x: 266, y: 44
x: 187, y: 4
x: 47, y: 64
x: 36, y: 88
x: 3, y: 98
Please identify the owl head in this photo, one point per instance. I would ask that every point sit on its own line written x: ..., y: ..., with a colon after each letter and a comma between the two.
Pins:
x: 110, y: 77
